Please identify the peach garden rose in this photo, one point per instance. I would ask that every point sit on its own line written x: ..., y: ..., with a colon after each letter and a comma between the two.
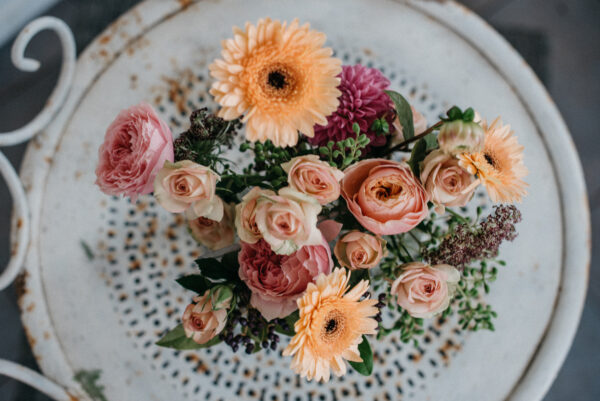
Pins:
x: 423, y: 290
x: 384, y: 196
x: 185, y: 184
x: 312, y: 176
x: 136, y: 145
x: 358, y: 250
x: 446, y: 182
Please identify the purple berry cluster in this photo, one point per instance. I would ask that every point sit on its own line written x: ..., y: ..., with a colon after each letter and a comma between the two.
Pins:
x: 467, y: 243
x: 254, y: 333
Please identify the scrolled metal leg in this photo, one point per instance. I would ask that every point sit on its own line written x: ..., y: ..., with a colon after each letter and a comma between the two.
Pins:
x: 20, y: 204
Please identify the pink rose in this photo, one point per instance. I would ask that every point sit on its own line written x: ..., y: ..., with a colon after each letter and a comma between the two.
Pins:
x: 446, y: 183
x: 358, y: 250
x: 277, y: 281
x: 136, y: 145
x: 202, y: 320
x: 183, y: 184
x: 312, y: 176
x: 424, y: 290
x: 288, y: 220
x: 419, y: 123
x: 245, y: 215
x: 213, y: 234
x: 384, y: 196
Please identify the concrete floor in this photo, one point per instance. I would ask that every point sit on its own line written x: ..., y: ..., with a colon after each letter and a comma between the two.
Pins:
x: 558, y: 38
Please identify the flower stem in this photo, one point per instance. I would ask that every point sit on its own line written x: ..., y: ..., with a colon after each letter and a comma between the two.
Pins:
x: 403, y: 145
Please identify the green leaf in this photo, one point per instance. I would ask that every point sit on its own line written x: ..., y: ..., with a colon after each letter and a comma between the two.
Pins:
x: 431, y: 141
x: 212, y: 269
x: 356, y: 128
x: 194, y: 282
x: 87, y: 249
x: 404, y: 113
x: 357, y: 275
x: 291, y: 320
x: 230, y: 261
x: 365, y: 367
x: 417, y: 155
x: 220, y: 296
x: 177, y: 339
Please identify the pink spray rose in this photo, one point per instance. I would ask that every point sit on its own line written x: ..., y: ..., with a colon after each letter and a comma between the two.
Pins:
x: 445, y: 181
x: 277, y: 281
x: 245, y: 215
x: 312, y: 176
x: 288, y: 221
x: 183, y: 184
x: 136, y: 145
x: 213, y: 234
x: 384, y: 196
x: 358, y: 250
x: 424, y: 290
x: 202, y: 320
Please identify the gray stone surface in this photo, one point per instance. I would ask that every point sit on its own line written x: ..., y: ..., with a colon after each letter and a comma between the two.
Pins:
x: 558, y: 38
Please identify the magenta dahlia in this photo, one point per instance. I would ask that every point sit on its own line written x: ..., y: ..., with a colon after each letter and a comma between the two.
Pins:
x: 363, y: 100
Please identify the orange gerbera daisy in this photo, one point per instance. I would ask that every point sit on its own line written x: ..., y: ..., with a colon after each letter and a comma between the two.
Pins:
x: 280, y: 76
x: 331, y: 324
x: 499, y: 167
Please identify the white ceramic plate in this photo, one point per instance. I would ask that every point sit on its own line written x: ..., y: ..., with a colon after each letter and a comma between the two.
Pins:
x: 106, y: 314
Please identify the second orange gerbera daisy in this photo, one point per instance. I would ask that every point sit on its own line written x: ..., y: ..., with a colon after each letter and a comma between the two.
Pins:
x: 280, y: 76
x: 499, y: 167
x: 331, y: 325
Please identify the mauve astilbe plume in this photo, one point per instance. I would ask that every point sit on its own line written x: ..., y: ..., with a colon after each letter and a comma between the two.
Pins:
x: 467, y: 244
x: 363, y: 100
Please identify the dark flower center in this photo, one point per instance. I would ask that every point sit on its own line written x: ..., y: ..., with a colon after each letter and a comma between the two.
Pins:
x: 277, y: 80
x: 331, y: 326
x: 490, y: 160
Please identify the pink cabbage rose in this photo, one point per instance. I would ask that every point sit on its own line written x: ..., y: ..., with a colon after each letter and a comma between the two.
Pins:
x: 446, y: 183
x: 136, y: 145
x: 384, y: 196
x: 277, y: 281
x: 183, y: 184
x: 202, y: 320
x: 213, y: 234
x: 312, y: 176
x: 358, y: 250
x: 245, y: 215
x: 419, y: 123
x: 288, y: 220
x: 424, y: 290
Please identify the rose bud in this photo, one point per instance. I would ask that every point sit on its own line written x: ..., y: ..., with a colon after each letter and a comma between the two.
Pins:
x: 460, y: 136
x: 202, y: 321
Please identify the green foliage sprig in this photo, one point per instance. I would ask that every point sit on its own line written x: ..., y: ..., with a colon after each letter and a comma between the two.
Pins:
x: 343, y: 153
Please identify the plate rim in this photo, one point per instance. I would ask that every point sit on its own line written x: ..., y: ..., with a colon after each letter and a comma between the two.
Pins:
x: 553, y: 345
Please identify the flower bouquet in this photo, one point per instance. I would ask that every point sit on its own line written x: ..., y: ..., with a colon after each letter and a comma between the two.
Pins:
x: 349, y: 203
